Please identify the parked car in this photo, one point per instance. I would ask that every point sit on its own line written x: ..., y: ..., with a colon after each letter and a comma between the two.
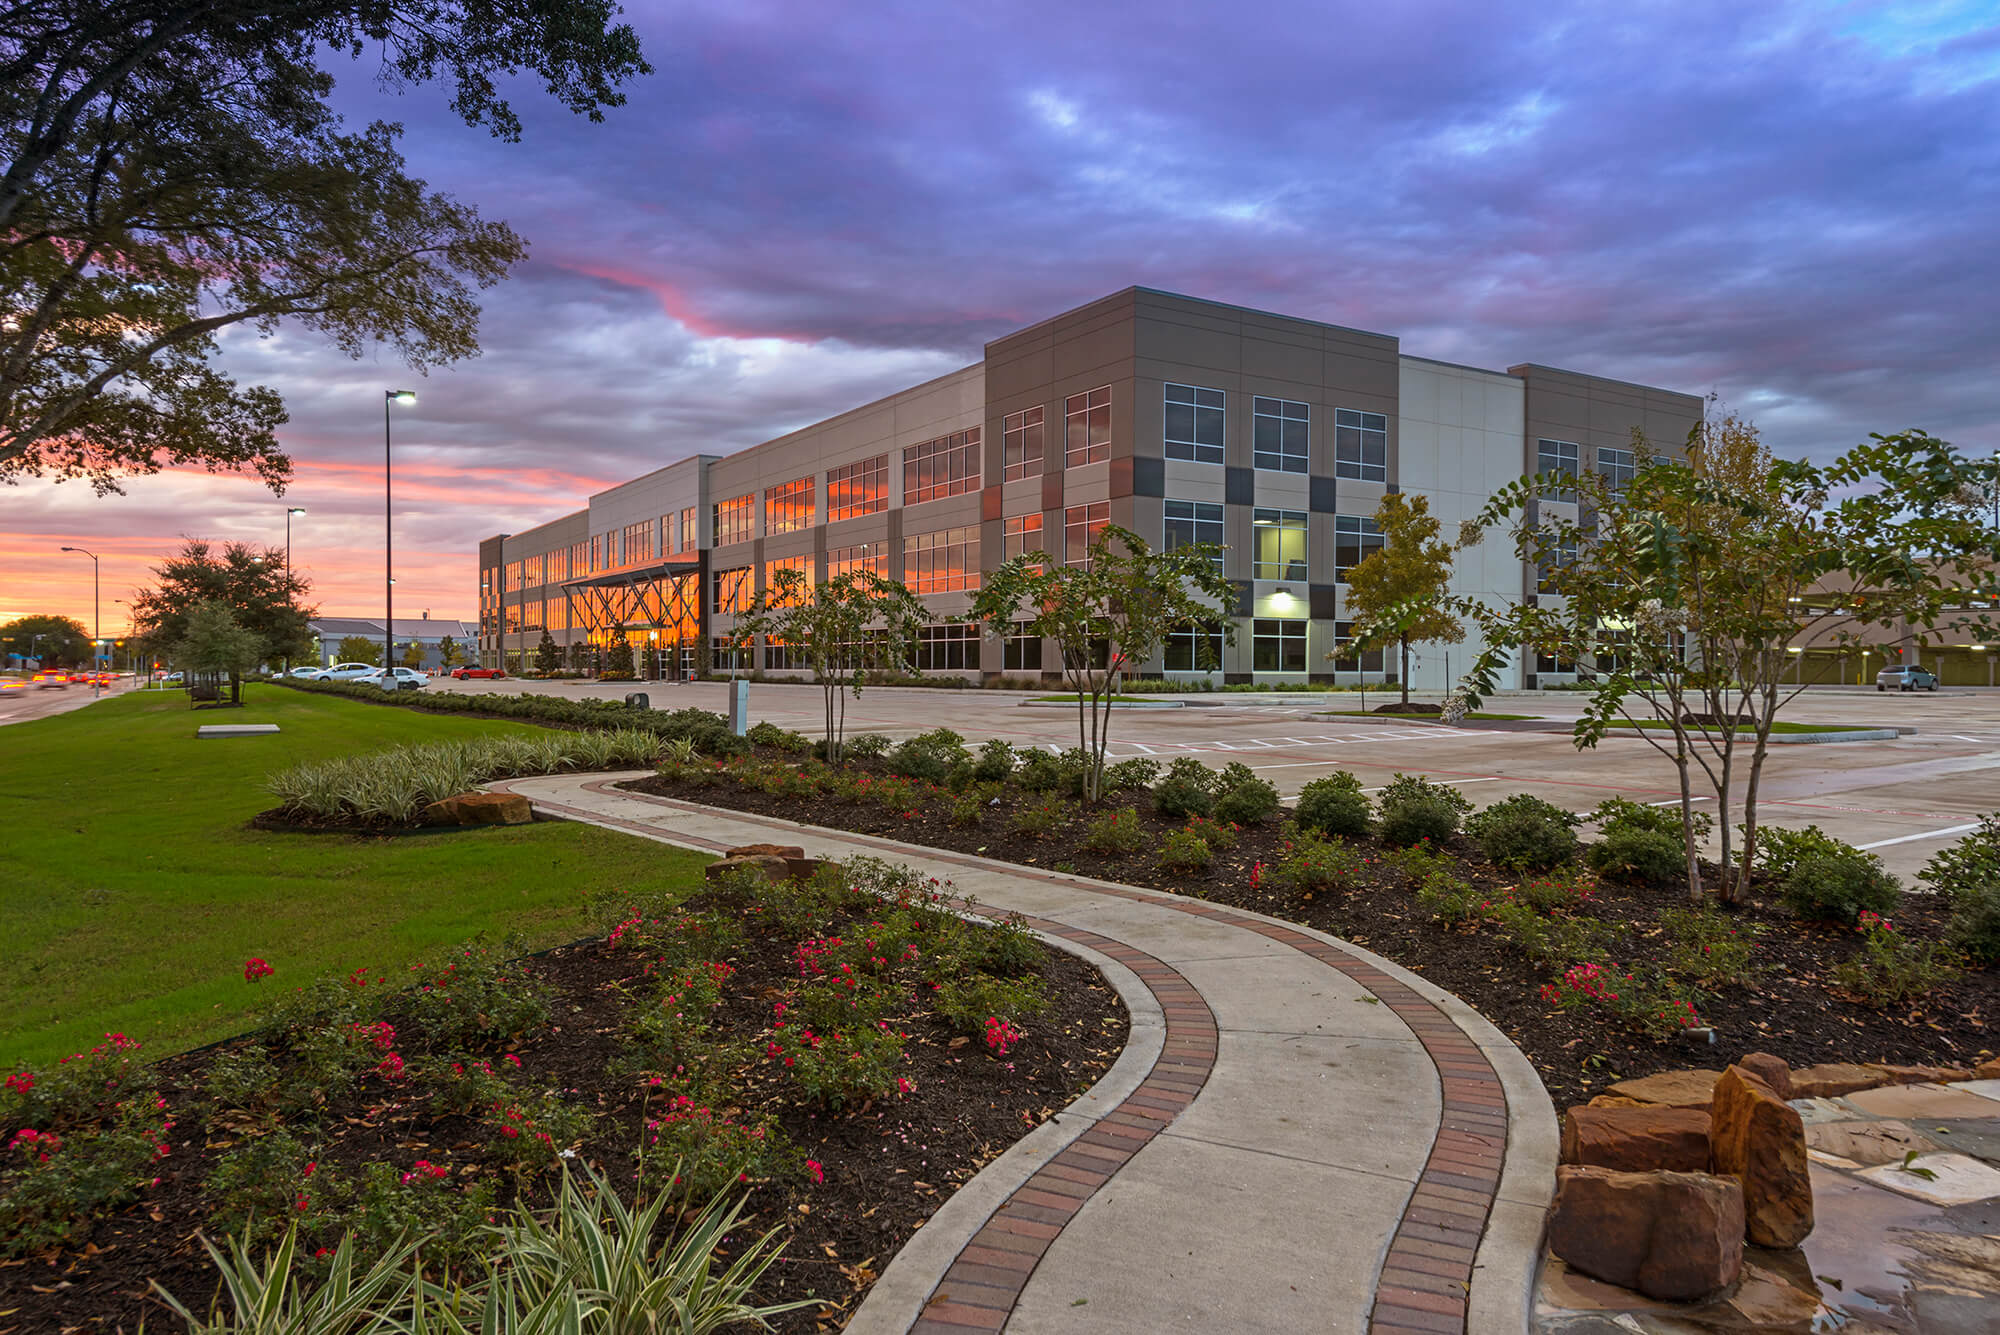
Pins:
x: 470, y: 673
x: 172, y: 679
x: 395, y: 679
x: 347, y: 672
x: 310, y: 672
x: 1906, y: 677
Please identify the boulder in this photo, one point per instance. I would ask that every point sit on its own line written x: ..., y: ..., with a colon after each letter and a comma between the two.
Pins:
x: 1637, y: 1139
x: 1675, y: 1089
x: 480, y: 809
x: 1832, y: 1079
x: 1919, y: 1075
x: 1674, y: 1236
x: 1760, y: 1140
x: 803, y: 868
x: 1614, y: 1101
x: 1771, y: 1070
x: 769, y: 868
x: 1987, y: 1070
x: 766, y: 851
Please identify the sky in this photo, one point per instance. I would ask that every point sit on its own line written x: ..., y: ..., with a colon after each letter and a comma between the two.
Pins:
x: 1794, y: 206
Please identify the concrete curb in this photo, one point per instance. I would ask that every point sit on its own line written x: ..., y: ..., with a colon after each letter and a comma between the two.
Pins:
x: 1115, y: 704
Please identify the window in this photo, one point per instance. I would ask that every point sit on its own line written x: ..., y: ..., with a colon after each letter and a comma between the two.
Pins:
x: 802, y: 564
x: 513, y: 577
x: 734, y: 520
x: 1021, y: 652
x: 1277, y: 645
x: 1552, y: 558
x: 782, y: 657
x: 638, y: 543
x: 531, y: 614
x: 727, y: 656
x: 1618, y: 468
x: 866, y: 556
x: 690, y: 529
x: 1020, y: 534
x: 579, y: 559
x: 1087, y: 427
x: 513, y: 611
x: 789, y: 507
x: 947, y: 648
x: 1278, y: 434
x: 1193, y: 648
x: 732, y: 589
x: 555, y: 567
x: 1194, y: 422
x: 942, y: 562
x: 1344, y: 657
x: 1280, y: 544
x: 1081, y: 525
x: 857, y: 489
x: 1553, y: 663
x: 531, y: 572
x: 1354, y: 537
x: 1021, y: 445
x: 557, y: 614
x: 1557, y: 456
x: 1192, y: 522
x: 1360, y: 445
x: 943, y: 467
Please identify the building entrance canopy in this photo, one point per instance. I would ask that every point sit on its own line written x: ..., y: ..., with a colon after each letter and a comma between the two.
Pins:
x: 665, y: 596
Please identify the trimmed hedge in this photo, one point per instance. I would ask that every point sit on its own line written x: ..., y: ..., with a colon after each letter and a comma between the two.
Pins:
x: 710, y: 732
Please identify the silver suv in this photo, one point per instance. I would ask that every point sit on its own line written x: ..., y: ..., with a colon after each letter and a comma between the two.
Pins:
x: 1906, y: 677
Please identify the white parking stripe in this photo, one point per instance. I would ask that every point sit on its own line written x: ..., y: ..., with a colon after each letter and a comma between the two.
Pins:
x: 1675, y: 801
x: 1928, y: 834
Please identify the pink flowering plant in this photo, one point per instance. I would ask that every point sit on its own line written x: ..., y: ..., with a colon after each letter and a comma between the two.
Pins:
x: 1650, y: 1003
x: 705, y: 1150
x: 74, y: 1092
x: 1893, y: 966
x: 54, y: 1183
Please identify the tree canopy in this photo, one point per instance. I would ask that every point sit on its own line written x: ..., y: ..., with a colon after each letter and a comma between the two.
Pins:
x: 215, y: 643
x: 47, y: 639
x: 1399, y: 593
x: 171, y: 169
x: 253, y: 583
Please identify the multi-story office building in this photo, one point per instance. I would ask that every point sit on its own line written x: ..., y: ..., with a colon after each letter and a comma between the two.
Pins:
x: 1180, y: 419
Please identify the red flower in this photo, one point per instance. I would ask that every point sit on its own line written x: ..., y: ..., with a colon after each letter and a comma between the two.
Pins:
x: 254, y: 969
x: 819, y: 1174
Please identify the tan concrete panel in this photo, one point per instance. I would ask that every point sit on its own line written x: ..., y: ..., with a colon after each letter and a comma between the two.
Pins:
x: 1086, y: 484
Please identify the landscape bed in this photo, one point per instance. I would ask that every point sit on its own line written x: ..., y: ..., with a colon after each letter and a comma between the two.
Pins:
x: 701, y: 1036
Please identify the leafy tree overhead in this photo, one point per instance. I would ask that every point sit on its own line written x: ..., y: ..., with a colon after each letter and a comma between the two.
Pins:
x: 170, y: 168
x: 1107, y: 617
x: 252, y: 582
x: 1400, y: 593
x: 359, y: 649
x: 48, y: 639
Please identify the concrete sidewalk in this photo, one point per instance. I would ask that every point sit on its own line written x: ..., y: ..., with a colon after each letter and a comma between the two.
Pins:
x: 1300, y: 1136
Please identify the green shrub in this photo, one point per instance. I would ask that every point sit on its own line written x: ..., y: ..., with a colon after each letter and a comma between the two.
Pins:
x: 1042, y: 815
x: 1838, y: 887
x: 1975, y: 922
x: 1638, y: 854
x: 1040, y: 772
x: 254, y: 1187
x: 784, y: 739
x: 1418, y: 861
x: 1448, y: 899
x: 1525, y: 833
x: 929, y: 757
x: 1220, y: 837
x: 1622, y: 813
x: 474, y: 996
x: 1315, y: 864
x: 995, y: 762
x: 1892, y: 966
x: 53, y: 1185
x: 1115, y: 832
x: 1183, y: 851
x: 1779, y: 850
x: 868, y: 746
x: 1413, y: 808
x: 1250, y: 801
x: 1131, y: 776
x: 1188, y: 790
x: 1707, y: 947
x: 1968, y: 874
x: 968, y: 1001
x: 1334, y: 805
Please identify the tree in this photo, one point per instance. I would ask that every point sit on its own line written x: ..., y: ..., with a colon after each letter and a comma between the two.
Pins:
x: 172, y: 168
x: 1400, y: 593
x: 48, y: 640
x: 840, y: 631
x: 255, y: 585
x: 359, y: 649
x: 215, y: 644
x: 1107, y: 617
x: 547, y: 657
x: 413, y: 654
x: 1684, y: 592
x: 449, y: 654
x: 618, y: 661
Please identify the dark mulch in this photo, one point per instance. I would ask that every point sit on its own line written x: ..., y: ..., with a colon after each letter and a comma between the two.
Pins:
x: 888, y: 1165
x: 1789, y: 1008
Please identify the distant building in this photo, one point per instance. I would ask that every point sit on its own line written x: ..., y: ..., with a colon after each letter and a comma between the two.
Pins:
x: 428, y: 633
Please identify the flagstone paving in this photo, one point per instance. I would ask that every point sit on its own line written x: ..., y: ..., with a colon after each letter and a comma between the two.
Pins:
x: 1299, y: 1136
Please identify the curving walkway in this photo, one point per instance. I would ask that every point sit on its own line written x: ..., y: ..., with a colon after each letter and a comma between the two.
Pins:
x: 1299, y: 1136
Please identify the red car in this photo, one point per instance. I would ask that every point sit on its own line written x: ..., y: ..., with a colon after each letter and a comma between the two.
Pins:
x: 468, y: 673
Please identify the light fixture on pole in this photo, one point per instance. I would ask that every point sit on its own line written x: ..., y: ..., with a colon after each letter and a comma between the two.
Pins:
x: 290, y: 510
x: 389, y: 396
x: 97, y: 623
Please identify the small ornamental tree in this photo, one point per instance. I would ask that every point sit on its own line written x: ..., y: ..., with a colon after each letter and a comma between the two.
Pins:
x: 1683, y: 593
x: 217, y: 645
x: 618, y: 661
x: 547, y: 656
x: 359, y: 649
x: 1400, y: 593
x: 841, y: 630
x: 1107, y: 617
x: 413, y: 654
x: 449, y: 653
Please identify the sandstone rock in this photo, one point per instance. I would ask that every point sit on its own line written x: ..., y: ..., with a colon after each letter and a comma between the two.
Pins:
x: 1868, y: 1143
x: 1987, y: 1070
x: 1637, y: 1139
x: 1615, y: 1101
x: 1771, y: 1070
x: 766, y: 851
x: 770, y: 868
x: 1675, y: 1089
x: 1832, y: 1080
x: 1919, y: 1075
x: 1674, y: 1236
x: 804, y: 868
x: 480, y: 809
x: 1760, y: 1140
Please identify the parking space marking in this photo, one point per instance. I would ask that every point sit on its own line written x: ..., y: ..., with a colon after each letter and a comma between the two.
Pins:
x: 1927, y: 834
x: 1675, y: 801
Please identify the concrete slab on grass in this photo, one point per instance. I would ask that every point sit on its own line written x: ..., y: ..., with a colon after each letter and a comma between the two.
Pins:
x: 235, y: 729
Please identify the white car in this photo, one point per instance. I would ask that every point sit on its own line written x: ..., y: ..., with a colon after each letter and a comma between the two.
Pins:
x: 307, y: 673
x: 396, y: 679
x: 346, y: 672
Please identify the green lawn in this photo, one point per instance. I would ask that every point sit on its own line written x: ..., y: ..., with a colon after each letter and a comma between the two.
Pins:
x: 133, y: 893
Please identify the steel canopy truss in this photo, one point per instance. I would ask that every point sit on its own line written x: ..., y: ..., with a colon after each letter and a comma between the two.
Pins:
x: 662, y: 598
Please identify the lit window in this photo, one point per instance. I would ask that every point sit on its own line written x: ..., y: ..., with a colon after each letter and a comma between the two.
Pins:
x: 734, y: 520
x: 733, y: 589
x: 1354, y: 538
x: 690, y: 529
x: 868, y: 557
x: 802, y: 564
x: 1279, y: 428
x: 788, y: 508
x: 1277, y: 645
x: 1020, y: 534
x: 857, y: 489
x: 1194, y: 423
x: 947, y: 466
x: 1021, y: 445
x: 1081, y: 525
x: 1087, y: 427
x: 1360, y: 445
x: 1189, y: 523
x: 1022, y: 652
x: 1279, y: 538
x: 946, y: 561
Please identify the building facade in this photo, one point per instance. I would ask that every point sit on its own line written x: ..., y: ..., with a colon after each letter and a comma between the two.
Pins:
x: 1180, y: 419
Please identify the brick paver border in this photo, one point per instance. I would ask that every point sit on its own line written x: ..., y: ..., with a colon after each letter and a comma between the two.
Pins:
x: 1425, y: 1282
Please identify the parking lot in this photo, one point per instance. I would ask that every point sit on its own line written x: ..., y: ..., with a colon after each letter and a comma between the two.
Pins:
x: 1904, y: 798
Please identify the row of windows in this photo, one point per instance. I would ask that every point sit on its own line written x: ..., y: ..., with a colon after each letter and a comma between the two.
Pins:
x: 1565, y: 457
x: 1195, y: 423
x: 947, y: 466
x: 789, y: 508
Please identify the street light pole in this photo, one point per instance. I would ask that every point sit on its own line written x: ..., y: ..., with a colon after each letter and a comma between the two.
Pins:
x: 389, y: 396
x: 290, y: 510
x: 97, y: 623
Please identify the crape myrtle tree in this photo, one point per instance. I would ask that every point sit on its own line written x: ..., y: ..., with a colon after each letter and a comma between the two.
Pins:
x: 252, y: 582
x: 46, y: 639
x: 359, y: 649
x: 1107, y: 617
x: 840, y: 631
x: 170, y: 169
x: 1400, y: 593
x: 213, y: 643
x: 1683, y: 593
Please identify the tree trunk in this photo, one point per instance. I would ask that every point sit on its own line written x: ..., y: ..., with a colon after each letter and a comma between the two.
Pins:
x: 1406, y: 672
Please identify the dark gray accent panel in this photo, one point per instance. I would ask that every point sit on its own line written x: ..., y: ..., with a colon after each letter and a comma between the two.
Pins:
x: 1239, y: 486
x: 1246, y: 598
x: 1392, y: 487
x: 1324, y: 600
x: 1149, y: 476
x: 1325, y: 496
